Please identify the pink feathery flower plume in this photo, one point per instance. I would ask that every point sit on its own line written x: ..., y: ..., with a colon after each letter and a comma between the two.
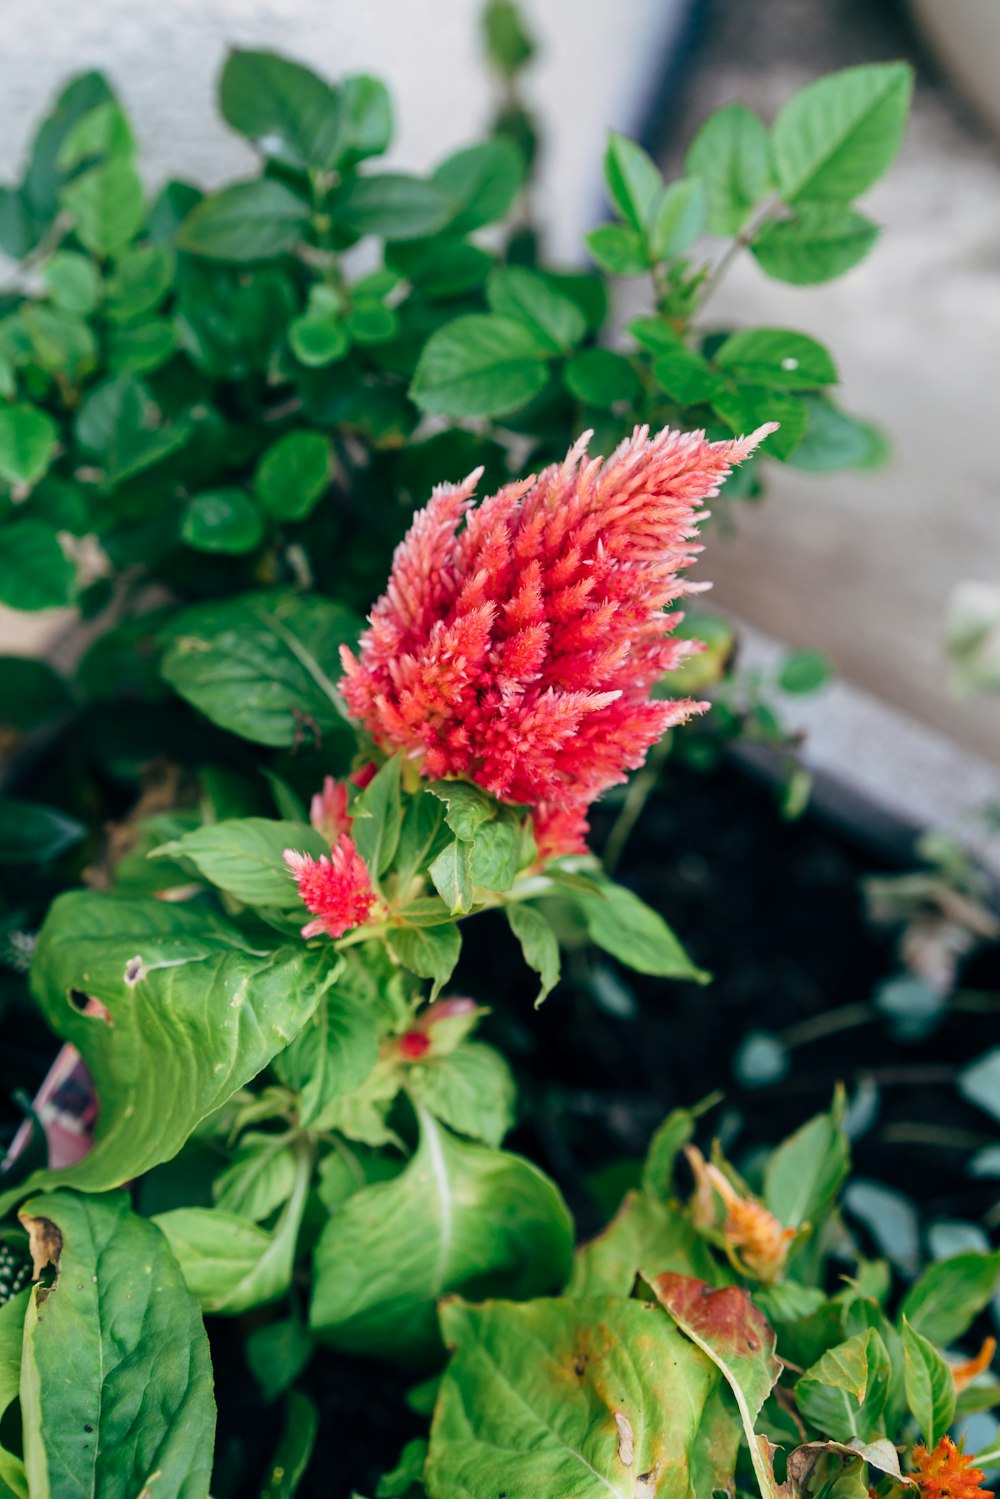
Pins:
x: 518, y: 650
x: 337, y: 890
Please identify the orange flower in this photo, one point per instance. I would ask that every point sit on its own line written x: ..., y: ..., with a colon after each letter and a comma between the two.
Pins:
x: 755, y: 1240
x: 963, y: 1374
x: 947, y: 1473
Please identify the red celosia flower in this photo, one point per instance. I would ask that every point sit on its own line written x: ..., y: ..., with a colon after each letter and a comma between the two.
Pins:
x: 947, y: 1473
x: 518, y: 651
x: 337, y: 890
x: 328, y: 810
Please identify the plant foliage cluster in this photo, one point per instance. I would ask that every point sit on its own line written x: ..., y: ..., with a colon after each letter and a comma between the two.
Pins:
x: 216, y: 421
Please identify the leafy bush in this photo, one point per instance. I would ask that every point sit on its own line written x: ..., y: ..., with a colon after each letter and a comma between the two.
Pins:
x: 217, y: 423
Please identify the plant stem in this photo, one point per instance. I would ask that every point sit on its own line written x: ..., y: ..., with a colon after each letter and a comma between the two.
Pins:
x: 743, y: 240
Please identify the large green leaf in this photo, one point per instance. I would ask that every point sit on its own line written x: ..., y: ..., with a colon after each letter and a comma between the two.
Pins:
x: 288, y: 113
x: 263, y: 666
x: 845, y: 1392
x: 929, y: 1385
x: 247, y: 221
x: 229, y: 1263
x: 950, y: 1294
x: 570, y: 1399
x: 483, y: 180
x: 727, y: 1327
x: 460, y: 1217
x: 822, y: 241
x: 106, y: 205
x: 471, y: 1089
x: 777, y: 357
x: 643, y: 1235
x: 623, y: 925
x: 806, y: 1171
x: 13, y: 1482
x: 481, y: 366
x: 332, y: 1055
x: 35, y: 573
x: 836, y: 136
x: 243, y: 856
x: 394, y: 206
x: 526, y: 297
x: 194, y: 1012
x: 116, y: 1383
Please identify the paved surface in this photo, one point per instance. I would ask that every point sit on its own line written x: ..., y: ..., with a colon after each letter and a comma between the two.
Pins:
x: 862, y: 564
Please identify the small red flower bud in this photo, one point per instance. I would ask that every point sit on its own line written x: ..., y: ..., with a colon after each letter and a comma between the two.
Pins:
x: 413, y: 1045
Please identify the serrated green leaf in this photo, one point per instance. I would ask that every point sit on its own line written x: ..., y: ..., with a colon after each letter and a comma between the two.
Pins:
x: 835, y: 137
x: 777, y: 357
x: 821, y: 242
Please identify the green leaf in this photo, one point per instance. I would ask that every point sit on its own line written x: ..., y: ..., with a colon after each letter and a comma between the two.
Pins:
x: 277, y: 1354
x: 623, y: 925
x: 643, y: 1235
x: 106, y: 205
x: 678, y: 218
x: 430, y: 952
x: 247, y: 221
x: 288, y: 113
x: 33, y: 834
x: 293, y: 474
x: 480, y: 366
x: 116, y: 1383
x: 539, y: 945
x: 295, y: 1449
x: 365, y: 128
x: 950, y: 1294
x: 222, y: 520
x: 259, y: 1177
x: 806, y: 1172
x: 263, y: 666
x: 451, y: 875
x: 731, y: 157
x: 120, y: 425
x: 459, y: 1215
x: 730, y: 1330
x: 526, y: 297
x: 142, y: 347
x: 61, y: 341
x: 600, y: 377
x: 35, y: 573
x: 19, y: 231
x: 31, y: 693
x: 550, y: 1398
x: 317, y: 341
x: 332, y: 1055
x: 43, y: 178
x: 138, y: 283
x: 751, y: 405
x: 194, y: 1012
x: 844, y: 1393
x: 471, y: 1090
x: 72, y: 281
x: 393, y: 206
x: 496, y: 853
x: 685, y: 375
x: 776, y: 357
x: 28, y: 440
x: 804, y: 671
x: 13, y: 1482
x: 103, y: 132
x: 633, y: 180
x: 617, y: 249
x: 377, y: 814
x: 508, y: 45
x: 834, y: 440
x: 668, y: 1140
x: 835, y: 137
x: 243, y: 856
x: 822, y: 241
x: 468, y: 808
x: 484, y: 181
x: 929, y: 1385
x: 421, y: 834
x: 231, y: 1265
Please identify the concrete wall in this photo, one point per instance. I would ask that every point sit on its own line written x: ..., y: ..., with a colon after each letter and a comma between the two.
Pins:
x: 596, y: 60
